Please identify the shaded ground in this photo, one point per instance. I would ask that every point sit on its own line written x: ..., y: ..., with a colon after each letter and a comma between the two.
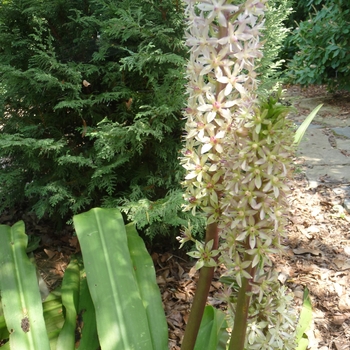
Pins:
x: 317, y: 253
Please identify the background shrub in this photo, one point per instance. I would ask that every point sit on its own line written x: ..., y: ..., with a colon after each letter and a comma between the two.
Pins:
x: 274, y: 34
x: 92, y: 105
x: 322, y: 43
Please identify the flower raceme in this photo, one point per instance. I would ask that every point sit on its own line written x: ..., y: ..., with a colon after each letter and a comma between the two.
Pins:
x: 224, y: 43
x: 237, y: 148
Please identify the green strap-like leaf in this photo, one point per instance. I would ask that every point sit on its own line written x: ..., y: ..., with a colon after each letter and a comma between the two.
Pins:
x: 20, y: 293
x: 4, y: 333
x: 212, y: 333
x: 121, y: 318
x: 53, y: 316
x: 87, y: 319
x: 148, y: 288
x: 70, y: 302
x: 304, y: 323
x: 299, y: 134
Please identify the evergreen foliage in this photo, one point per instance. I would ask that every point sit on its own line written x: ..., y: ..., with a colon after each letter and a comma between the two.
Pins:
x: 320, y: 43
x: 273, y: 35
x: 91, y: 105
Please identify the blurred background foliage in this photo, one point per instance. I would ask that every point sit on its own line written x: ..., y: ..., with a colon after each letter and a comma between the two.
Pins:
x: 317, y: 49
x: 92, y: 93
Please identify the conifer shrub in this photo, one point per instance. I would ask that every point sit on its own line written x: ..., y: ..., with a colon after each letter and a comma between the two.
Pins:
x: 273, y: 35
x: 92, y: 93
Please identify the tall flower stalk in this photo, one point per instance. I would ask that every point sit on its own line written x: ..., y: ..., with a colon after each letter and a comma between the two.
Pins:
x: 236, y: 156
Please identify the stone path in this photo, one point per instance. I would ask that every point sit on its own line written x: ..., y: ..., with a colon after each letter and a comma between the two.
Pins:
x: 325, y: 148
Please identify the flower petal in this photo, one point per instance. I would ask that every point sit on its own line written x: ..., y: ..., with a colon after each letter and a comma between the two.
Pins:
x: 210, y: 117
x: 206, y: 147
x: 205, y: 108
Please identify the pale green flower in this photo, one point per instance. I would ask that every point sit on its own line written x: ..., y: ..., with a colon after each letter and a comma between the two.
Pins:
x: 200, y: 38
x: 218, y: 9
x: 249, y: 51
x: 211, y: 141
x: 205, y: 254
x: 219, y: 105
x: 232, y: 79
x: 213, y: 60
x: 237, y: 32
x: 197, y: 168
x: 186, y: 236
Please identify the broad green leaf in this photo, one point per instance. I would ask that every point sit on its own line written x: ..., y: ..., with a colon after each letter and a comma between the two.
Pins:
x: 4, y: 333
x: 21, y: 300
x: 86, y: 319
x: 146, y: 280
x: 304, y: 323
x: 212, y: 333
x: 121, y: 318
x: 53, y: 316
x: 303, y: 343
x: 70, y: 302
x: 299, y: 134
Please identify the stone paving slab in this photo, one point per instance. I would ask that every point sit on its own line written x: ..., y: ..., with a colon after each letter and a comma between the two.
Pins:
x: 328, y: 115
x: 316, y: 150
x: 345, y: 131
x: 322, y: 161
x: 332, y: 174
x: 323, y: 152
x: 343, y: 144
x: 313, y: 102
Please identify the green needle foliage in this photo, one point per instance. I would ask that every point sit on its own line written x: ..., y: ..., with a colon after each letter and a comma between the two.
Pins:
x: 273, y: 34
x: 91, y: 99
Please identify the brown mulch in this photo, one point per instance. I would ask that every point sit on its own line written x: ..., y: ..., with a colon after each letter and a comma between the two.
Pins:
x: 317, y: 256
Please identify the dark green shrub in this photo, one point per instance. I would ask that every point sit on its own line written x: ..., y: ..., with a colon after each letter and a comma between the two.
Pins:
x: 91, y: 107
x: 300, y: 11
x: 274, y: 34
x: 322, y: 43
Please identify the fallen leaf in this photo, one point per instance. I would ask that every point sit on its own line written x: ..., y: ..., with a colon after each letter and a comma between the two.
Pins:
x: 282, y: 277
x: 339, y: 319
x: 313, y: 229
x: 344, y: 303
x: 342, y: 264
x: 192, y: 272
x: 338, y: 288
x: 161, y: 280
x: 300, y: 251
x: 49, y: 253
x: 73, y: 242
x: 181, y: 270
x: 347, y: 250
x: 216, y: 284
x: 180, y: 296
x: 341, y: 346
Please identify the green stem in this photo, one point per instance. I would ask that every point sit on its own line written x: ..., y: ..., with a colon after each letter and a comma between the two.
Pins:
x: 239, y: 331
x: 200, y: 299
